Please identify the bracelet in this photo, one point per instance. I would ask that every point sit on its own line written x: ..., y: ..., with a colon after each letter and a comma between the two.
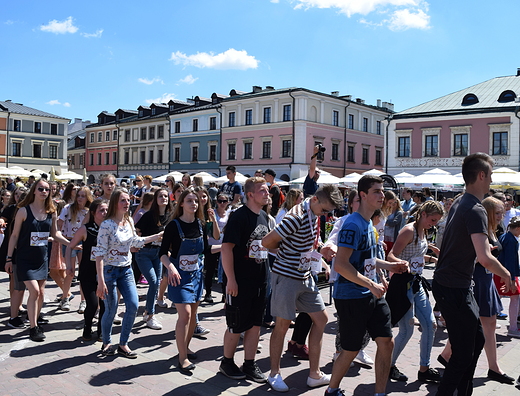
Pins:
x: 8, y: 257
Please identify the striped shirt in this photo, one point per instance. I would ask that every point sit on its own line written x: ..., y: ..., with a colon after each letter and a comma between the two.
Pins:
x: 297, y: 237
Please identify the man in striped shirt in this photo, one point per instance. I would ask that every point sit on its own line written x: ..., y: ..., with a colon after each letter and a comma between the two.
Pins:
x: 293, y: 288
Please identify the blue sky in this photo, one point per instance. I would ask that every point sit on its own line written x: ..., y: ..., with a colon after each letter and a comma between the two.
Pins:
x: 76, y: 59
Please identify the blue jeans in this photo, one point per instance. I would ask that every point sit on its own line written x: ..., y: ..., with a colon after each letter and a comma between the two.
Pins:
x: 151, y: 267
x: 121, y: 278
x: 422, y: 309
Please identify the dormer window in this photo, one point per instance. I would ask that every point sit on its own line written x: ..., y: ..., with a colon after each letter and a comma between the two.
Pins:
x: 140, y: 113
x: 153, y: 111
x: 469, y: 99
x: 507, y: 96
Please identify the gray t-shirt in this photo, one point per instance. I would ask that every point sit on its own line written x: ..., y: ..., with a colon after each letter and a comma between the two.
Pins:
x: 457, y: 258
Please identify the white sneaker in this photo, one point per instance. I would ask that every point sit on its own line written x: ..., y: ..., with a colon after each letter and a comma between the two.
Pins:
x: 65, y: 304
x: 162, y: 303
x: 277, y: 383
x: 513, y: 333
x: 145, y: 317
x: 314, y: 383
x: 363, y: 357
x: 82, y: 306
x: 153, y: 323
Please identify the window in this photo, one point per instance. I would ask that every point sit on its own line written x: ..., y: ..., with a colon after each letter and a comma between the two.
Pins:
x: 365, y: 124
x: 286, y: 149
x: 267, y: 115
x: 335, y: 117
x: 378, y: 158
x: 127, y: 157
x: 107, y: 136
x: 213, y: 152
x: 107, y: 158
x: 177, y: 154
x: 232, y: 151
x: 232, y: 119
x: 404, y: 146
x: 100, y: 136
x: 17, y: 125
x: 37, y: 127
x: 53, y: 152
x: 378, y: 127
x: 127, y: 135
x: 92, y: 137
x: 249, y: 117
x: 159, y: 156
x: 248, y: 150
x: 37, y: 150
x: 71, y: 160
x: 143, y: 133
x: 350, y: 154
x: 99, y: 159
x: 364, y: 159
x: 469, y: 99
x: 54, y: 129
x: 177, y: 127
x: 143, y: 157
x: 151, y: 132
x: 335, y: 152
x: 114, y: 157
x: 153, y: 111
x: 17, y: 149
x: 266, y: 149
x: 500, y: 143
x: 431, y: 145
x: 460, y: 145
x: 287, y: 112
x: 91, y: 162
x: 114, y: 134
x: 81, y: 159
x: 507, y: 96
x: 212, y: 123
x: 195, y: 125
x: 195, y: 154
x: 160, y: 132
x: 150, y: 157
x: 351, y: 121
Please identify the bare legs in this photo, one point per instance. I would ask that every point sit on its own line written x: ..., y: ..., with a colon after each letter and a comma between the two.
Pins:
x: 184, y: 328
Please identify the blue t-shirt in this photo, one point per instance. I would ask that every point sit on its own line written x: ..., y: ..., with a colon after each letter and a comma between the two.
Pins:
x: 357, y: 234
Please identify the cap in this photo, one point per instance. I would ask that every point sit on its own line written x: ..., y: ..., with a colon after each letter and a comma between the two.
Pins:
x: 270, y: 172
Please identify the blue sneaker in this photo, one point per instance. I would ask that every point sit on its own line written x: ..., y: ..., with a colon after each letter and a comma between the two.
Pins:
x: 337, y: 392
x: 501, y: 316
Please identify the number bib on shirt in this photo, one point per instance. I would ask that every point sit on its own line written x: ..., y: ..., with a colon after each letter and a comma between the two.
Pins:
x: 189, y: 262
x: 257, y: 250
x: 370, y: 269
x: 39, y: 238
x: 310, y: 261
x: 417, y: 265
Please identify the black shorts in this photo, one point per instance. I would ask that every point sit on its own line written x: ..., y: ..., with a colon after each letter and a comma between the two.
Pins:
x: 246, y: 309
x: 357, y: 316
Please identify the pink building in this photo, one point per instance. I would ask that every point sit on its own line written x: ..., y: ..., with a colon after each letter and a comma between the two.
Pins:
x: 278, y: 128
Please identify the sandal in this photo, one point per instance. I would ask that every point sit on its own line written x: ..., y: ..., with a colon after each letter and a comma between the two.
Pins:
x: 129, y: 355
x: 107, y: 350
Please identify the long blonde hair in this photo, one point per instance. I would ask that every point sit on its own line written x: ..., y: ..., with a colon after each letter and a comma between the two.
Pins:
x: 113, y: 204
x: 491, y: 205
x: 29, y: 198
x: 74, y: 207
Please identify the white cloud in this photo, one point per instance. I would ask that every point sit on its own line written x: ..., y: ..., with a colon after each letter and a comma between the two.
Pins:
x: 406, y: 19
x: 230, y: 59
x: 98, y: 34
x: 9, y: 22
x: 66, y: 104
x: 147, y: 81
x: 53, y: 102
x: 165, y: 98
x: 66, y: 26
x: 275, y: 1
x: 404, y: 14
x: 189, y: 79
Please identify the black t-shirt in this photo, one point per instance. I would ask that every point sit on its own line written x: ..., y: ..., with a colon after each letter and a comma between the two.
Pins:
x: 172, y: 240
x: 242, y: 228
x: 457, y: 258
x: 275, y: 196
x: 148, y: 225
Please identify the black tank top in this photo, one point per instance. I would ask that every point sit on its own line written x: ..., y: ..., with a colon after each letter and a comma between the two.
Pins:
x: 87, y: 267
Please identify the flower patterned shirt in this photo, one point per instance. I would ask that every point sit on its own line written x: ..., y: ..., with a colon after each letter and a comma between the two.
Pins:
x: 70, y: 228
x: 114, y: 243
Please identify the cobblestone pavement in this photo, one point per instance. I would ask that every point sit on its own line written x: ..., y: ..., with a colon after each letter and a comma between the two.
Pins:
x: 63, y: 364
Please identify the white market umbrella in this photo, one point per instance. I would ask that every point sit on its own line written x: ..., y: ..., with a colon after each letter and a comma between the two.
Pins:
x: 69, y: 175
x: 433, y: 178
x: 175, y: 174
x: 351, y: 179
x: 239, y: 177
x: 325, y: 178
x: 505, y: 177
x: 374, y: 172
x: 206, y: 177
x: 403, y: 177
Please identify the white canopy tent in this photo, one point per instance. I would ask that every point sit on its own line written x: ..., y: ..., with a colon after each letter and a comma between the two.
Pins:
x: 161, y: 179
x: 351, y: 179
x: 325, y: 178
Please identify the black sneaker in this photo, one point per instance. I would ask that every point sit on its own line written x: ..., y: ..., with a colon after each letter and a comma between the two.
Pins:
x: 36, y: 334
x: 253, y: 373
x: 208, y: 299
x: 87, y: 334
x: 16, y: 323
x: 396, y: 375
x: 231, y: 370
x: 41, y: 320
x: 430, y: 375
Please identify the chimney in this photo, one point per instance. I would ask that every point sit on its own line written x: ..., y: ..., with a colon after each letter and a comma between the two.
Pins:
x: 518, y: 71
x: 269, y: 88
x: 379, y: 103
x: 360, y: 101
x: 257, y: 89
x: 335, y: 93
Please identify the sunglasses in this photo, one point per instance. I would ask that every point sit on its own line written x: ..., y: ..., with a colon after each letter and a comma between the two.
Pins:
x: 221, y: 201
x: 43, y: 189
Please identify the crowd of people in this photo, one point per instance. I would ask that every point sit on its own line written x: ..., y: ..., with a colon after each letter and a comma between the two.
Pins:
x: 266, y: 247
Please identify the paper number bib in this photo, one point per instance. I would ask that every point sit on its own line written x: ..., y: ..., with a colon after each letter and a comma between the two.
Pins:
x: 189, y: 262
x: 257, y: 250
x: 310, y: 261
x: 39, y: 238
x: 370, y: 269
x: 417, y: 265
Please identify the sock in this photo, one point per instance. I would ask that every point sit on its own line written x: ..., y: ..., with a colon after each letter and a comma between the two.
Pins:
x: 379, y: 394
x: 249, y: 362
x: 227, y: 360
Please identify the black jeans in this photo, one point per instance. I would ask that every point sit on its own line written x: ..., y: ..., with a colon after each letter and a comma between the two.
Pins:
x: 461, y: 313
x: 89, y: 291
